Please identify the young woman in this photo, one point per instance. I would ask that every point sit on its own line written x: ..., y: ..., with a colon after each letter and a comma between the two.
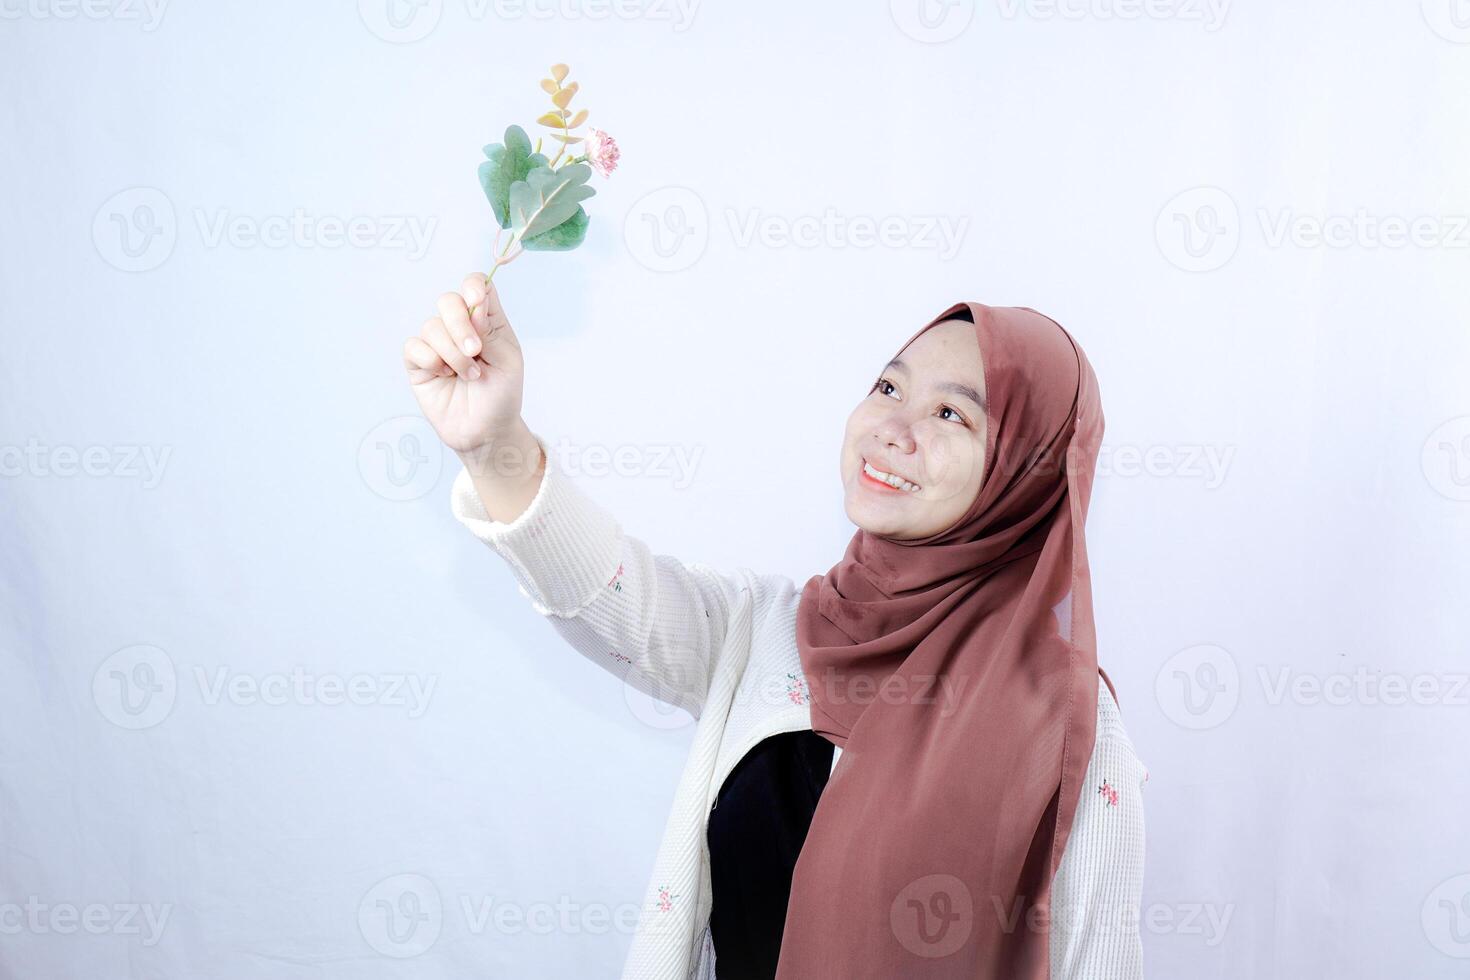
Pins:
x: 906, y: 767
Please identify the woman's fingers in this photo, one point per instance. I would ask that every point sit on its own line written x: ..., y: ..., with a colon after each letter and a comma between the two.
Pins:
x: 456, y: 317
x: 498, y: 341
x: 455, y: 343
x: 421, y: 361
x: 437, y: 335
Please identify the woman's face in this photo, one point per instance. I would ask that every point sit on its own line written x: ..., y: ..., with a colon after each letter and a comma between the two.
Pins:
x: 924, y: 421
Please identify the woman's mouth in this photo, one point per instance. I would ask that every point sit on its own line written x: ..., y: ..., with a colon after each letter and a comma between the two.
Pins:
x: 887, y: 481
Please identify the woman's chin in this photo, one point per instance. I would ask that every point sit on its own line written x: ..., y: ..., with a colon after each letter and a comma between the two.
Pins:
x: 877, y: 519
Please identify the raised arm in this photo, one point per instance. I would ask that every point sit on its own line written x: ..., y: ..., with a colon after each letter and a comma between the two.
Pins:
x: 652, y: 620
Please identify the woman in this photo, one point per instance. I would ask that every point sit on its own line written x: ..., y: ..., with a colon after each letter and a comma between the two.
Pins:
x: 987, y: 821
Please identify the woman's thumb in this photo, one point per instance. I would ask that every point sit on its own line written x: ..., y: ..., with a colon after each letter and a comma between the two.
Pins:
x: 488, y: 318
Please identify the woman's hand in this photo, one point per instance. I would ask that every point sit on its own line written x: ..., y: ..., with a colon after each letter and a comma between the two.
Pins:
x: 467, y: 372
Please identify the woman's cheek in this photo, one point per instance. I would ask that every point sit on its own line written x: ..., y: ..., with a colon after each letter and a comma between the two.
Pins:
x: 954, y: 468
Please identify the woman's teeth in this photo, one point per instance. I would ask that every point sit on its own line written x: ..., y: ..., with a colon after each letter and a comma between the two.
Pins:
x: 889, y: 478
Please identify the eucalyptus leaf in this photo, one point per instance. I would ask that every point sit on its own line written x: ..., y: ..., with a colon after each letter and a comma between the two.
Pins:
x: 509, y: 162
x: 565, y: 236
x: 546, y: 198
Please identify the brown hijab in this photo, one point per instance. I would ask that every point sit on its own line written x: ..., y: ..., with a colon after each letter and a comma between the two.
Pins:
x: 959, y: 674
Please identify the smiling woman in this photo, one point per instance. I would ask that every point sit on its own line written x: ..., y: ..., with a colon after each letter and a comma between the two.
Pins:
x: 972, y: 570
x: 943, y: 787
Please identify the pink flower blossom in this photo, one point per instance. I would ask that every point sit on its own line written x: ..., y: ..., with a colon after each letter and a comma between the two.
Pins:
x: 602, y: 152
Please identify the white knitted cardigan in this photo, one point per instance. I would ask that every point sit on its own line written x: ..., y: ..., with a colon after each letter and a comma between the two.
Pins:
x: 722, y: 645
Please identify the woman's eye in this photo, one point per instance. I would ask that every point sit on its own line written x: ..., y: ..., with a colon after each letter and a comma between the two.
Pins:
x: 884, y: 386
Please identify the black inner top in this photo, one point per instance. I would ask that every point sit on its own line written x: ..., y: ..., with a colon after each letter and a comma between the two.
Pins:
x: 756, y: 829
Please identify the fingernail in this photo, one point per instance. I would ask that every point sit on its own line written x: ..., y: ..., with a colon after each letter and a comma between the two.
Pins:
x: 474, y: 372
x: 471, y: 346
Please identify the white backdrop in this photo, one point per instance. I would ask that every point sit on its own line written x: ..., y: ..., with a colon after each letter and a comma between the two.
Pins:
x: 268, y: 711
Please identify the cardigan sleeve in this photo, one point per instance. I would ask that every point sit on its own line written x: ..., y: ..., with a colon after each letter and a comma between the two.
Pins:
x: 1098, y: 890
x: 650, y: 619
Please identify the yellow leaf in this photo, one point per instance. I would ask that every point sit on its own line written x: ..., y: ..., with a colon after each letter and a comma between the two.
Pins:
x: 578, y: 119
x: 559, y: 72
x: 567, y: 139
x: 548, y: 85
x: 551, y: 119
x: 563, y: 97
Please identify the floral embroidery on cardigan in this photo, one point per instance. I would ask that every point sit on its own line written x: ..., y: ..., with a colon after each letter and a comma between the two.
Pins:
x: 665, y: 900
x: 1109, y: 792
x: 619, y: 657
x: 795, y: 689
x: 616, y: 585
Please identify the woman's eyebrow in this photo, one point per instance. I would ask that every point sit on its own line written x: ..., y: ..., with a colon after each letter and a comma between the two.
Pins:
x: 963, y: 390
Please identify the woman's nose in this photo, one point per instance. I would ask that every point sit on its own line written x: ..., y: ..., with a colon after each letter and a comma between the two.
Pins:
x: 894, y: 432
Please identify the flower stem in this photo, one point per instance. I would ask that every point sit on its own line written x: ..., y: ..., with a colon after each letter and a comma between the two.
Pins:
x: 499, y: 261
x: 564, y: 129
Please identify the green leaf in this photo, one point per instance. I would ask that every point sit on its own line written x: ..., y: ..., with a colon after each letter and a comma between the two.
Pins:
x: 508, y: 163
x: 564, y: 237
x: 547, y: 197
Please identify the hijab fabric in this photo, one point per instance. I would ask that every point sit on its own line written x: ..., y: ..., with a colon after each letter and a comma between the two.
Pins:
x: 958, y: 672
